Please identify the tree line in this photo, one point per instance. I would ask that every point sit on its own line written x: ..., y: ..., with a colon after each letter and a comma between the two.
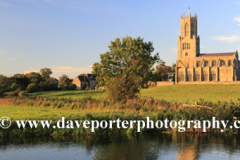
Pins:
x: 33, y: 82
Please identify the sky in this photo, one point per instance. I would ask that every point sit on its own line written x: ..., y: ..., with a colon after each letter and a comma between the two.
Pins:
x: 68, y: 36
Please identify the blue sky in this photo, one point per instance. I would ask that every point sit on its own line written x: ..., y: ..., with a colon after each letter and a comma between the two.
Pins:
x: 69, y: 35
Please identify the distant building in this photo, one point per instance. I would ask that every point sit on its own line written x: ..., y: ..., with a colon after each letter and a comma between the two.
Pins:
x: 89, y: 80
x: 193, y: 66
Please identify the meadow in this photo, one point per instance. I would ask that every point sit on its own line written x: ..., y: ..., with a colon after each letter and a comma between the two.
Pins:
x: 172, y: 93
x: 158, y: 103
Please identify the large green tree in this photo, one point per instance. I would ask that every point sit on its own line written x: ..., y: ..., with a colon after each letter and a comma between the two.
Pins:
x: 4, y: 84
x: 130, y: 60
x: 45, y: 73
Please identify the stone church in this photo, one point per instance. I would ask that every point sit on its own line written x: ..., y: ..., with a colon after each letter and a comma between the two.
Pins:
x: 191, y: 65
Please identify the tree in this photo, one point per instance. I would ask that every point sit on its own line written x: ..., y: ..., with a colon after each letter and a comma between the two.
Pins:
x: 21, y: 79
x: 63, y: 81
x: 129, y: 60
x: 45, y: 73
x: 34, y: 77
x: 4, y: 84
x: 164, y: 70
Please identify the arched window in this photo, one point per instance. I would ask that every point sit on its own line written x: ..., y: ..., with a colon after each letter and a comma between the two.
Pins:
x: 186, y: 54
x: 198, y: 64
x: 229, y: 62
x: 222, y: 63
x: 214, y: 63
x: 205, y: 63
x: 181, y: 76
x: 189, y: 76
x: 197, y: 76
x: 186, y: 29
x: 205, y: 76
x: 213, y: 76
x: 188, y: 46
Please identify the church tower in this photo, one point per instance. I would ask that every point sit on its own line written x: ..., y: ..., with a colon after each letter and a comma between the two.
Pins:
x: 188, y: 42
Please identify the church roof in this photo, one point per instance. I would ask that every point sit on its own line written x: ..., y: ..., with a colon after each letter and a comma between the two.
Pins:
x: 216, y: 54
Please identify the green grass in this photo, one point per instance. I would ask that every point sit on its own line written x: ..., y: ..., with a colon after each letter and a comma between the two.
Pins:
x: 36, y: 113
x: 193, y: 93
x: 172, y: 93
x: 74, y: 94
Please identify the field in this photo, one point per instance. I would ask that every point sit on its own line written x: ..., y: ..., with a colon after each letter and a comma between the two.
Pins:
x: 173, y: 93
x: 158, y: 103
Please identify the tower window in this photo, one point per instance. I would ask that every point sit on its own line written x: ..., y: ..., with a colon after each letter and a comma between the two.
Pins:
x: 186, y: 54
x: 186, y: 46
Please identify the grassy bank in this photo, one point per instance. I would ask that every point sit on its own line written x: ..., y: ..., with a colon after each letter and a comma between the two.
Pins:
x: 173, y: 93
x: 95, y: 109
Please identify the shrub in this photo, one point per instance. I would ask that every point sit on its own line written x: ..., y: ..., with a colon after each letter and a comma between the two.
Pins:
x: 72, y: 87
x: 14, y: 93
x: 122, y: 88
x: 23, y: 94
x: 31, y: 88
x: 48, y: 86
x: 83, y: 87
x: 14, y: 86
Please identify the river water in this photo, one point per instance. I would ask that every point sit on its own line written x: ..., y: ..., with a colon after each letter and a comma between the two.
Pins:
x: 146, y: 147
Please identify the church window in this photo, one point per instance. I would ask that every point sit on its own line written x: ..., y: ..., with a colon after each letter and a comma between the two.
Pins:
x: 229, y: 62
x: 197, y: 76
x: 198, y: 64
x: 189, y: 76
x: 181, y: 76
x: 214, y: 63
x: 222, y: 63
x: 213, y: 76
x: 186, y: 29
x: 205, y: 63
x: 205, y: 76
x: 186, y: 54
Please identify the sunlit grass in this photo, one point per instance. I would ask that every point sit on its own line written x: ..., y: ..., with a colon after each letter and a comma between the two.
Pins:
x: 172, y: 93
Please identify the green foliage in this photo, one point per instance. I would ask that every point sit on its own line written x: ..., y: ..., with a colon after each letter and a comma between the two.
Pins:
x: 83, y: 87
x: 122, y: 89
x: 31, y: 88
x: 166, y: 72
x: 4, y: 83
x: 14, y: 93
x: 21, y: 79
x: 49, y: 86
x: 34, y: 77
x: 63, y: 81
x: 45, y: 73
x: 72, y: 87
x: 14, y: 86
x: 23, y: 94
x: 129, y: 58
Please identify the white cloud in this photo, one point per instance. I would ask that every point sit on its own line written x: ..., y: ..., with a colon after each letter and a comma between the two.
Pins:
x: 203, y: 46
x: 5, y: 4
x: 10, y: 58
x: 237, y: 19
x: 174, y: 50
x: 229, y: 39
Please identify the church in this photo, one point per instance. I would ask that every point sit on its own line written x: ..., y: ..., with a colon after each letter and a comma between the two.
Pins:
x: 191, y: 65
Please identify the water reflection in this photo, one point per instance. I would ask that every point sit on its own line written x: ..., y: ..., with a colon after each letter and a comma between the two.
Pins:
x: 163, y: 146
